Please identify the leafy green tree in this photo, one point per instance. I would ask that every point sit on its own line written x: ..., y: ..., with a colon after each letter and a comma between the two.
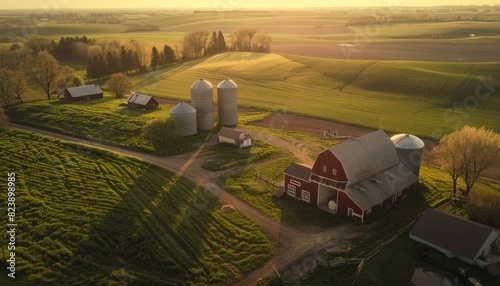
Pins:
x: 119, y: 83
x: 222, y: 46
x: 169, y: 55
x: 155, y: 58
x: 161, y: 131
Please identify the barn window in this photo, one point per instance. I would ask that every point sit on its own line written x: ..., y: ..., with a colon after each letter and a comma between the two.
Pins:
x: 306, y: 196
x: 334, y: 172
x: 291, y: 190
x: 324, y: 168
x: 297, y: 183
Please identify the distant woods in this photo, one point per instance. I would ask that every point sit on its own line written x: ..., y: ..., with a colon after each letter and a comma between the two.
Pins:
x: 201, y: 43
x: 420, y: 16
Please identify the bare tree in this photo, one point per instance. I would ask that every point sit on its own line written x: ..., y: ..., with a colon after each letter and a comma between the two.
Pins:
x: 141, y: 52
x: 263, y: 43
x: 194, y: 44
x: 467, y: 153
x: 119, y: 83
x: 18, y: 85
x: 44, y: 69
x: 67, y: 78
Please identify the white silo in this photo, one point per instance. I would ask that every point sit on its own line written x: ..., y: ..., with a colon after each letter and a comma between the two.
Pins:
x: 227, y: 100
x: 409, y: 149
x: 202, y: 99
x: 186, y: 118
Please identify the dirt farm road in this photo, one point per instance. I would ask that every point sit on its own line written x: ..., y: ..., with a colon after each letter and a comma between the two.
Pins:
x: 298, y: 248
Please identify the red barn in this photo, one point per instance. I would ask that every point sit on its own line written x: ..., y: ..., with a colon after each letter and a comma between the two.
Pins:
x: 141, y: 101
x: 353, y: 178
x: 85, y: 92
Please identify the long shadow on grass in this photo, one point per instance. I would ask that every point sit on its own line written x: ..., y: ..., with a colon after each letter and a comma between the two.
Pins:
x: 153, y: 236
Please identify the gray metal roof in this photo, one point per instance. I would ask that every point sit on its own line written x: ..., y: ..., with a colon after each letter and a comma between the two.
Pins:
x: 457, y: 235
x: 298, y: 171
x: 234, y: 134
x: 227, y: 83
x: 84, y: 90
x: 202, y: 84
x: 372, y: 191
x: 139, y: 98
x: 182, y: 108
x: 366, y: 156
x: 407, y: 141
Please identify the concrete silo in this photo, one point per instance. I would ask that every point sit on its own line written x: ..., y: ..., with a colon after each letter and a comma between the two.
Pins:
x: 227, y: 99
x: 409, y: 149
x: 186, y: 118
x: 202, y: 93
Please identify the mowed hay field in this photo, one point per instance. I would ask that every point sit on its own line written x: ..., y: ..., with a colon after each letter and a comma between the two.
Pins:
x: 91, y: 217
x: 424, y: 98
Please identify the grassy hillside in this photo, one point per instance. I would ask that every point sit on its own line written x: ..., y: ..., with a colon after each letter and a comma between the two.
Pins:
x: 90, y: 217
x: 104, y: 120
x: 377, y: 94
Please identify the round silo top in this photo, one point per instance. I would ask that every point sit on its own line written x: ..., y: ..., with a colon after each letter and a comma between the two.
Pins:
x: 407, y: 141
x: 201, y: 84
x: 227, y: 83
x: 182, y: 108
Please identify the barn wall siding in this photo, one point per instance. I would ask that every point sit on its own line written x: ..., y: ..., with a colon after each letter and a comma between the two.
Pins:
x: 326, y: 158
x: 310, y: 187
x: 345, y: 202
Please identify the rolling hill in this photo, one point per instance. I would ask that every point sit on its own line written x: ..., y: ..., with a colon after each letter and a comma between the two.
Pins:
x: 424, y: 98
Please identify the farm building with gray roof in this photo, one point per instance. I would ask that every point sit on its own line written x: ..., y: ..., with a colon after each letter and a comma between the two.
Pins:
x: 353, y: 178
x: 85, y: 92
x: 141, y: 101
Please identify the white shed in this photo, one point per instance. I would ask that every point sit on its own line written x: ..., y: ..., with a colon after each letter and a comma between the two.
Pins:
x: 235, y: 137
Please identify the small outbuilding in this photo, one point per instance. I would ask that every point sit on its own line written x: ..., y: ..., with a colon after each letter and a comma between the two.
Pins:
x: 235, y: 137
x: 85, y: 92
x: 466, y: 240
x: 142, y: 102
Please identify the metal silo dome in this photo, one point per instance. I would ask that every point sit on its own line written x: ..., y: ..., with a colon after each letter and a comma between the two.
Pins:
x: 186, y: 118
x: 227, y: 98
x: 407, y: 141
x: 202, y: 100
x: 409, y: 149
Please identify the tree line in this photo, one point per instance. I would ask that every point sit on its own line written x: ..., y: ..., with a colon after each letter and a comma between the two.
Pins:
x: 415, y: 18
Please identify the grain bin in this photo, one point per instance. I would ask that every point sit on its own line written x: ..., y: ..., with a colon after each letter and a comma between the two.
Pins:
x: 186, y: 118
x: 202, y: 100
x: 409, y: 149
x: 227, y: 98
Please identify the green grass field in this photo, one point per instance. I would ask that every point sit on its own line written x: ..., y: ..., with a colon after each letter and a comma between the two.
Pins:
x: 90, y: 217
x: 377, y: 94
x: 104, y: 120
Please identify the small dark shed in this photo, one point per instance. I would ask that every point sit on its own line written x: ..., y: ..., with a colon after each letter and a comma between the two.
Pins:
x: 141, y: 101
x: 85, y: 92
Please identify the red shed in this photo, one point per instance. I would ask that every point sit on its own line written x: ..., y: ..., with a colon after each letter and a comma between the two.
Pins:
x: 141, y: 101
x: 298, y: 185
x: 85, y: 92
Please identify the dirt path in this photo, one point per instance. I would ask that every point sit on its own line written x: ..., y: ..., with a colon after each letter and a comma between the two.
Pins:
x: 298, y: 248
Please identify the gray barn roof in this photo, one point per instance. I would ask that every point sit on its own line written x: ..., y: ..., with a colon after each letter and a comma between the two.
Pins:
x: 459, y: 236
x: 85, y: 90
x: 366, y: 156
x: 140, y: 99
x: 298, y: 171
x: 372, y: 191
x: 234, y: 134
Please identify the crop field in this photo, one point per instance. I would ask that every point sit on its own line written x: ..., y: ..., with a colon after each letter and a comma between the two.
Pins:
x: 90, y: 217
x: 377, y: 94
x: 103, y: 120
